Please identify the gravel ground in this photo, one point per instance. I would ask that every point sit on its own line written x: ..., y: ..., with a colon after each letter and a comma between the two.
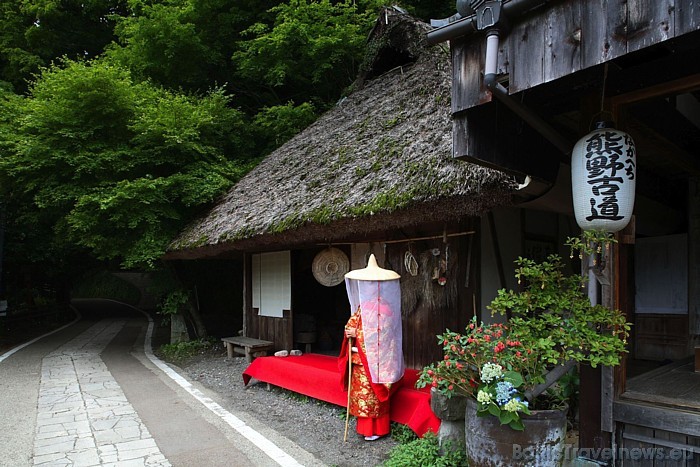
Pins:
x: 316, y: 426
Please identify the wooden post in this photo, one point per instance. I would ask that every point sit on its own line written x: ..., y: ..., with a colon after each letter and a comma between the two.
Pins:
x: 625, y: 296
x: 694, y: 265
x: 347, y: 414
x: 247, y: 293
x: 593, y: 385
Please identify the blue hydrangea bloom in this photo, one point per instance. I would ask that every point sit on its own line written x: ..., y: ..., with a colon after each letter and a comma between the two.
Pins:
x: 504, y: 391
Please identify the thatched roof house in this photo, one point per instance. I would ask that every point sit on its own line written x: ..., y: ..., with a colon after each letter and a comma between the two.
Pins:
x: 378, y: 161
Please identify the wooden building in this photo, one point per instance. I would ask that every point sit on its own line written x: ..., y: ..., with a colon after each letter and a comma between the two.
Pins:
x: 529, y: 79
x: 375, y: 174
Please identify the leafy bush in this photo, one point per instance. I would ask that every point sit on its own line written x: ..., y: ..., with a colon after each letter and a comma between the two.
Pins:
x: 172, y: 304
x: 425, y: 452
x: 552, y: 326
x: 182, y: 351
x: 402, y: 433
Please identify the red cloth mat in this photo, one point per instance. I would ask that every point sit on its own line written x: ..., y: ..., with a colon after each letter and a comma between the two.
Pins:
x: 317, y: 376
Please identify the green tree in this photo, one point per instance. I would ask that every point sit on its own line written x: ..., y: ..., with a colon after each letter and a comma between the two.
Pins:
x: 33, y: 33
x: 279, y: 123
x: 117, y: 166
x: 310, y: 53
x: 161, y: 43
x: 185, y: 43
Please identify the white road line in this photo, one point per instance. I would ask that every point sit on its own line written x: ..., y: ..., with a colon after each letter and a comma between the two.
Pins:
x: 20, y: 347
x: 264, y: 444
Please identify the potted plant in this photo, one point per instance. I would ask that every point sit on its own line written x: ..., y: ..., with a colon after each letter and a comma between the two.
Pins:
x: 510, y: 371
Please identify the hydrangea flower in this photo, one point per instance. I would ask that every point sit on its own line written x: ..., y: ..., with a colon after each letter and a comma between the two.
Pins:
x: 490, y: 372
x: 504, y: 392
x: 515, y: 405
x: 512, y: 406
x: 483, y: 397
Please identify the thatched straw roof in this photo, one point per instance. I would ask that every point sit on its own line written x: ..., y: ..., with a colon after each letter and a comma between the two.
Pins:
x: 380, y: 160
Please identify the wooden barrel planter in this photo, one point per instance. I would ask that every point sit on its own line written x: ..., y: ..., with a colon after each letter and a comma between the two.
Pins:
x: 488, y: 443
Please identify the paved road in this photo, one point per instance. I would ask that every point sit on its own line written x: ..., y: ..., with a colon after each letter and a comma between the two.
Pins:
x: 93, y: 394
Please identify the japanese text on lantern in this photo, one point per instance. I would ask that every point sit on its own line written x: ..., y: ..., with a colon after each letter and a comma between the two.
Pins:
x: 610, y: 161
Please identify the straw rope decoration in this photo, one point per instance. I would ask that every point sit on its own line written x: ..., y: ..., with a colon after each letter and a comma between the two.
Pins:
x: 410, y: 263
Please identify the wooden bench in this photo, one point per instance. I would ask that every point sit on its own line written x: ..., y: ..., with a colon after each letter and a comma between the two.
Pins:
x: 247, y: 346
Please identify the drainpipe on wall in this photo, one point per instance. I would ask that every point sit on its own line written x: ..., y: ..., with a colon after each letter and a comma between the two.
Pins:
x: 466, y: 26
x: 501, y: 93
x: 489, y: 16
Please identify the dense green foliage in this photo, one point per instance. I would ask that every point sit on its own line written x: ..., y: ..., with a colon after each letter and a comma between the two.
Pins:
x: 311, y: 52
x: 120, y: 120
x: 402, y: 434
x: 34, y: 33
x: 425, y: 452
x: 113, y: 165
x: 183, y: 351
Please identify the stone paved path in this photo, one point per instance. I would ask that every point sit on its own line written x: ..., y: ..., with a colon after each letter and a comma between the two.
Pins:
x: 83, y: 415
x: 92, y: 393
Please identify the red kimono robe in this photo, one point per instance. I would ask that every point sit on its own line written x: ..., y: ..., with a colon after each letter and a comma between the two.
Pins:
x: 369, y: 402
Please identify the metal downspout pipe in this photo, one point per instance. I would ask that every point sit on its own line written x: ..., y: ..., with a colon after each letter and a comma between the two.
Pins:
x: 501, y: 93
x: 471, y: 25
x: 466, y: 26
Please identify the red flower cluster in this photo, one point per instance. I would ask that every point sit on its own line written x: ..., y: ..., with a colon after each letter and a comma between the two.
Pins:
x: 465, y: 354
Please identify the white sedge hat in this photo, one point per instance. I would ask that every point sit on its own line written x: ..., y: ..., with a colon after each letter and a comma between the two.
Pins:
x: 372, y: 272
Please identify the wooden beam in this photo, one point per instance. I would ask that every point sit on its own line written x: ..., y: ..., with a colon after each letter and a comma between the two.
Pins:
x: 432, y: 237
x: 652, y: 440
x: 659, y: 418
x: 665, y: 150
x: 497, y: 252
x: 678, y: 86
x: 671, y: 139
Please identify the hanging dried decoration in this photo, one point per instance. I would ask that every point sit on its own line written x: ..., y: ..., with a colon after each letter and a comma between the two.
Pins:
x: 329, y: 266
x: 410, y: 262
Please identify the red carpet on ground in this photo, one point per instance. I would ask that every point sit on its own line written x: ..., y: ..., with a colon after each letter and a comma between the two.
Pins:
x: 317, y: 376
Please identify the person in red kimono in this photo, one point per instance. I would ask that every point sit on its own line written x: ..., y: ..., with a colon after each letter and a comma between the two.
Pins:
x: 372, y: 342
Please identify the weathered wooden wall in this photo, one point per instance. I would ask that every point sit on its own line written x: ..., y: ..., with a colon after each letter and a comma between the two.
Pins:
x: 661, y: 337
x: 428, y: 308
x: 277, y: 330
x: 493, y: 136
x: 643, y: 426
x: 567, y: 37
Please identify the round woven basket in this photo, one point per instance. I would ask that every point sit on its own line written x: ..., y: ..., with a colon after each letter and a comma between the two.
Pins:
x: 330, y: 266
